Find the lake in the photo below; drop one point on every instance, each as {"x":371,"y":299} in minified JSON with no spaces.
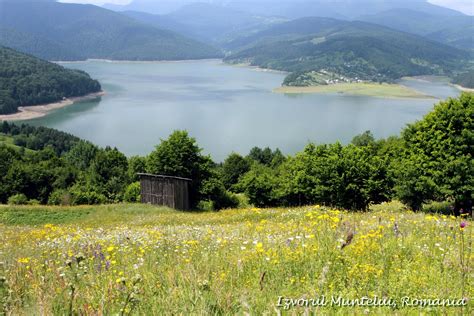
{"x":226,"y":108}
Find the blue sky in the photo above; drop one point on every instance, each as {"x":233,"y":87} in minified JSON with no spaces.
{"x":466,"y":6}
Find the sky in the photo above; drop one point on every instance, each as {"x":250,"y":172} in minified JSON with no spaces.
{"x":466,"y":6}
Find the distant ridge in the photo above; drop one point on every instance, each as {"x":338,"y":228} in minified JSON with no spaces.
{"x":356,"y":50}
{"x":59,"y":31}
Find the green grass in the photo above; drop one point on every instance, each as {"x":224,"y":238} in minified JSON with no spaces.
{"x":8,"y":141}
{"x":367,"y":89}
{"x":144,"y":260}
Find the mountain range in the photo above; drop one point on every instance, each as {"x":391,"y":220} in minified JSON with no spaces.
{"x":455,"y":30}
{"x":207,"y":22}
{"x":60,"y":31}
{"x":355,"y":50}
{"x":217,"y":22}
{"x":291,"y":9}
{"x":374,"y":40}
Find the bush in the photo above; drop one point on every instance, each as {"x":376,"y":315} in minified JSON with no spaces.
{"x":259,"y":185}
{"x":226,"y":200}
{"x":60,"y":197}
{"x":33,"y":202}
{"x":213,"y":190}
{"x":132,"y":193}
{"x":445,"y":207}
{"x":205,"y":205}
{"x":243,"y":200}
{"x":18,"y":199}
{"x":88,"y":197}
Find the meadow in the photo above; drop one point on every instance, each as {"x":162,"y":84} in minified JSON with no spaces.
{"x":384,"y":90}
{"x":137,"y":259}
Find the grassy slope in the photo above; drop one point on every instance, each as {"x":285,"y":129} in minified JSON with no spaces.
{"x":368,"y":89}
{"x":231,"y":262}
{"x":6,"y":140}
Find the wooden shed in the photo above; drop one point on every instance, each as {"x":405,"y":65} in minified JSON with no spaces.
{"x":165,"y":190}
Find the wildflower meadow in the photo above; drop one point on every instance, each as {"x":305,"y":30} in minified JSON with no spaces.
{"x":131,"y":259}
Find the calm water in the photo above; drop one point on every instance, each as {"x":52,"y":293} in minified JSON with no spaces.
{"x":225,"y":108}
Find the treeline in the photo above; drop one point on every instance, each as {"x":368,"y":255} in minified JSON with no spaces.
{"x":26,"y":80}
{"x":430,"y":161}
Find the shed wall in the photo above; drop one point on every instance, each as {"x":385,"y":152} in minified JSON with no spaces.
{"x":167,"y":191}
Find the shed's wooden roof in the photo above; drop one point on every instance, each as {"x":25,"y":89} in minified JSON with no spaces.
{"x":162,"y":176}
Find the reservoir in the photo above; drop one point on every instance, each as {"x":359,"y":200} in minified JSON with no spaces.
{"x":226,"y":108}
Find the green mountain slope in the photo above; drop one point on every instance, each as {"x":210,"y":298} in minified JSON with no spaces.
{"x":27,"y":80}
{"x":206,"y":22}
{"x":89,"y":31}
{"x":355,"y":50}
{"x":457,"y":30}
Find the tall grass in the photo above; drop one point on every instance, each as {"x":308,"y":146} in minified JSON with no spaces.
{"x":135,"y":259}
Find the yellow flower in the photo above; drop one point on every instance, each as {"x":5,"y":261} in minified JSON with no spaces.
{"x":23,"y":260}
{"x":110,"y":248}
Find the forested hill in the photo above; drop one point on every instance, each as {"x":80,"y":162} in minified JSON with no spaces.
{"x":63,"y":31}
{"x":351,"y":49}
{"x":455,"y":30}
{"x":27,"y":80}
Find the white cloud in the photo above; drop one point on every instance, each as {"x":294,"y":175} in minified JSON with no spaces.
{"x":466,"y":6}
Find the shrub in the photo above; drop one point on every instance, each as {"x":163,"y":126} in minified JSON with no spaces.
{"x":33,"y":202}
{"x":132,"y":192}
{"x":87,"y":197}
{"x":18,"y":199}
{"x":60,"y":197}
{"x":226,"y":200}
{"x":260,"y":184}
{"x":445,"y":207}
{"x":213,"y":190}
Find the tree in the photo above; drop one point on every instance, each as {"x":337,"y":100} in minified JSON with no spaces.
{"x":180,"y":156}
{"x":437,"y":162}
{"x":107,"y":173}
{"x":82,"y":154}
{"x":266,"y":156}
{"x":259,"y":184}
{"x":364,"y":139}
{"x":232,"y":169}
{"x":350,"y":177}
{"x":136,"y":164}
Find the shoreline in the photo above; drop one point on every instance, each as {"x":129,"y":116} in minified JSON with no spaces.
{"x":441,"y":79}
{"x":462,"y":88}
{"x":393,"y":91}
{"x":257,"y":68}
{"x":118,"y":61}
{"x":36,"y":111}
